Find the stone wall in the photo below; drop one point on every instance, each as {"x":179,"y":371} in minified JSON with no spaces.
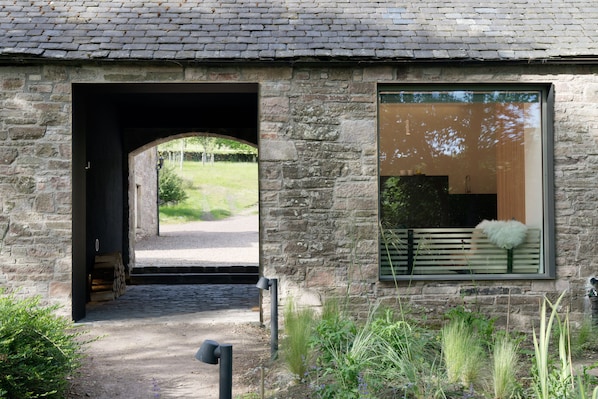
{"x":143,"y":196}
{"x":318,"y":180}
{"x":35,"y":182}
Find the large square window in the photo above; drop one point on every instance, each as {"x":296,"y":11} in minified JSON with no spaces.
{"x":465,"y":182}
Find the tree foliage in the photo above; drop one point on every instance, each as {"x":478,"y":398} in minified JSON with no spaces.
{"x":170,"y":187}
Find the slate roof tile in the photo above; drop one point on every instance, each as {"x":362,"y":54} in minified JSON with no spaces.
{"x":251,"y":30}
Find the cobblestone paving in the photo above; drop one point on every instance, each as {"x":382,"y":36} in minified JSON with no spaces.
{"x":230,"y":241}
{"x":190,"y":303}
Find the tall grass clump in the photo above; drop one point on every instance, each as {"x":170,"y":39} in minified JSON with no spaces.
{"x":505,"y":366}
{"x":299,"y":325}
{"x":409,"y":361}
{"x":584,"y":338}
{"x":341,"y":351}
{"x":463,"y":353}
{"x":38,"y":349}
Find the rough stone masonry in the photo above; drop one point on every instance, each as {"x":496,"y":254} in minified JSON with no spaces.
{"x":318,"y":180}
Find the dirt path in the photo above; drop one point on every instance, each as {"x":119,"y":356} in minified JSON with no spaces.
{"x":147,"y":339}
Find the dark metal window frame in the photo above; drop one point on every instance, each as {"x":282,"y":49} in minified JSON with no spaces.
{"x":548,"y":228}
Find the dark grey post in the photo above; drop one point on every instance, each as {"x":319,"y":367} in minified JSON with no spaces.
{"x":274,"y":318}
{"x":272,"y":285}
{"x":209,"y":352}
{"x":226,"y":371}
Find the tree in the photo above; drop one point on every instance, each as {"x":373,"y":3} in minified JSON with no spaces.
{"x":170,"y":187}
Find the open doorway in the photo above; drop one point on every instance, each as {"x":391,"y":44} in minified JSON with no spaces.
{"x":193,"y":212}
{"x":112,"y":120}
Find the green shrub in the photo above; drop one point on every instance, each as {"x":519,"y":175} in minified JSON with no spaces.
{"x":38,"y":349}
{"x":409,"y":359}
{"x":333,"y":333}
{"x":170,"y":190}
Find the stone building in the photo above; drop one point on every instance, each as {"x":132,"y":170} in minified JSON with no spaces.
{"x":386,"y":131}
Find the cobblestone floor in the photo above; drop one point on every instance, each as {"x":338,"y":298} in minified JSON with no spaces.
{"x":230,"y":241}
{"x":190,"y":303}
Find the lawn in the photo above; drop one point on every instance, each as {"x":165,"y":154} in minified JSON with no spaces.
{"x":214,"y":191}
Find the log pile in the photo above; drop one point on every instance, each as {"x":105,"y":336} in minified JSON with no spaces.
{"x":108,"y":279}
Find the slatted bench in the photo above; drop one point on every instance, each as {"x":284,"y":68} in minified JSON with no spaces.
{"x":453,"y":251}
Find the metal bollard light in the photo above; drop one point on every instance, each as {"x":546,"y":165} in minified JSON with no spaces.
{"x":272,"y":285}
{"x":209,"y":352}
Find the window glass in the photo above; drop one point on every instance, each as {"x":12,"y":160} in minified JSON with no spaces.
{"x":450,"y":160}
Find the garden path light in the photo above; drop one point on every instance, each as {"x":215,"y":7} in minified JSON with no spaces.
{"x":209,"y":352}
{"x":272,"y":285}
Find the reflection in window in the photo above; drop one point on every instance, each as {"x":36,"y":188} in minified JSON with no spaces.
{"x":450,"y":159}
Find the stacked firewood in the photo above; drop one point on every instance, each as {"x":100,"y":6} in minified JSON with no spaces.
{"x":108,"y":279}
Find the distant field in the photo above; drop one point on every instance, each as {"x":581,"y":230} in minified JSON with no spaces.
{"x":215,"y":191}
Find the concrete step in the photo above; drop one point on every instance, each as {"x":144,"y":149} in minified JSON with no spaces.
{"x":239,"y":274}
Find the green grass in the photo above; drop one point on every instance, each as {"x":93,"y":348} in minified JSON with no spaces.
{"x":506,"y":354}
{"x":215,"y":191}
{"x":463,"y":353}
{"x":299,"y":324}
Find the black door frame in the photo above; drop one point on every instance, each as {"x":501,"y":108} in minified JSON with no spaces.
{"x":110,"y":121}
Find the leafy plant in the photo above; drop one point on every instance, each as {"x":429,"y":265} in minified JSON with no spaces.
{"x":38,"y":349}
{"x":552,"y":382}
{"x":348,"y":374}
{"x":333,"y":332}
{"x":409,"y":355}
{"x":340,"y":348}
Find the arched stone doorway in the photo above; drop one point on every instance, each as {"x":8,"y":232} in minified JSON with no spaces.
{"x":112,"y":120}
{"x":209,"y":237}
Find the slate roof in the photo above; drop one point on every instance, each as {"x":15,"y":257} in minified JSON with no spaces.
{"x":264,"y":30}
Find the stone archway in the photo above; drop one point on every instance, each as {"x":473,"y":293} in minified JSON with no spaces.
{"x":110,"y":121}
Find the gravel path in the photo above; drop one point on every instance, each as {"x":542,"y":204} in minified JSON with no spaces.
{"x":233,"y":241}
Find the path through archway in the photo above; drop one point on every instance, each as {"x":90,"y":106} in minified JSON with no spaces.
{"x":112,"y":120}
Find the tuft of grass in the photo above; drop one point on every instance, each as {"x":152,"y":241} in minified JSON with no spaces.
{"x":299,"y":325}
{"x":584,"y":338}
{"x":408,"y":360}
{"x":506,"y":360}
{"x":463,"y":353}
